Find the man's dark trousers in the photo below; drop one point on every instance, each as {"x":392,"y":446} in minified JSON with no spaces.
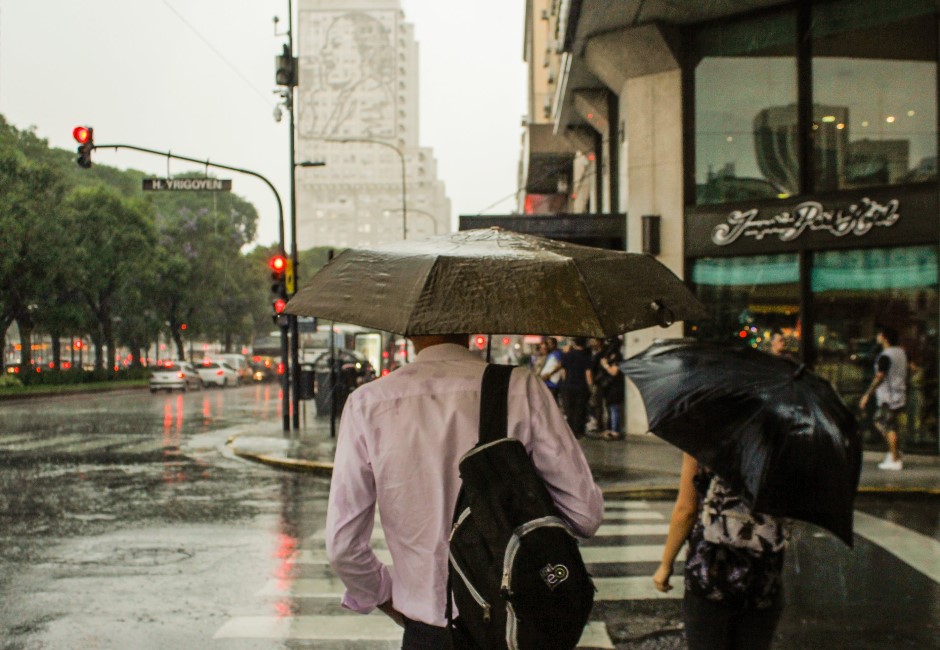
{"x":575,"y":402}
{"x":421,"y":636}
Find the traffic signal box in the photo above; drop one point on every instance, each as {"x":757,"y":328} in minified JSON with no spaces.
{"x":85,"y":137}
{"x":279,"y":266}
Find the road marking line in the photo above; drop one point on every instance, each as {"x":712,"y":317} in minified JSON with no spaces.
{"x":376,"y":627}
{"x":44,"y":443}
{"x":591,"y":554}
{"x":612,"y":530}
{"x":619,"y":504}
{"x":634,"y":515}
{"x":916,"y":550}
{"x":606,"y":530}
{"x":634,"y":588}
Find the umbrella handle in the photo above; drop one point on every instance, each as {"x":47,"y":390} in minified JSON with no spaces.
{"x":665,"y":315}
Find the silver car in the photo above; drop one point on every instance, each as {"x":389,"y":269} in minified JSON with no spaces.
{"x":175,"y":374}
{"x":217,"y":374}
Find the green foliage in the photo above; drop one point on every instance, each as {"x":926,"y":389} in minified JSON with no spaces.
{"x":9,"y":381}
{"x":87,"y":252}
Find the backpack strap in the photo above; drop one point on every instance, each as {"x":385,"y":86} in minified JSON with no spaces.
{"x":494,"y":416}
{"x":494,"y":403}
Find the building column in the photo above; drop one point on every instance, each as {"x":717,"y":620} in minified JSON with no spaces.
{"x":641,"y":66}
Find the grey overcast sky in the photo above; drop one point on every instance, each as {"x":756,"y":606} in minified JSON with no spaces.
{"x":149,"y":73}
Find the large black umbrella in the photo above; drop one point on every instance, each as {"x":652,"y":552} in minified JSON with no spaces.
{"x":495,"y":281}
{"x":780,"y":435}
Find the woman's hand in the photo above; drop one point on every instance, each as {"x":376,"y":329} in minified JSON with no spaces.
{"x":661,"y":578}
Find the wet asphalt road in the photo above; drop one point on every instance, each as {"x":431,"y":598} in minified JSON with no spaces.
{"x":124,"y":523}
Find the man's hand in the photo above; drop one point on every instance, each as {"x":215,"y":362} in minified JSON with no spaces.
{"x":389,"y":610}
{"x":862,"y":403}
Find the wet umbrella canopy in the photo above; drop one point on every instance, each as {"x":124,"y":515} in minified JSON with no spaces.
{"x":780,"y":435}
{"x":494,"y":280}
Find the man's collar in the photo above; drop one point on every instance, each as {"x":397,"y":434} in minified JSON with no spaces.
{"x":445,"y":352}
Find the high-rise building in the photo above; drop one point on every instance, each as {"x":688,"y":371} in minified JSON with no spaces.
{"x":357,"y":111}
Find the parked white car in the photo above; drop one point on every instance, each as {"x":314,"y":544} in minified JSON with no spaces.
{"x":174,"y":374}
{"x":238,"y":362}
{"x":217,"y":373}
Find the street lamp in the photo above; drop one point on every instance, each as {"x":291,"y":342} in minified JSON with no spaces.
{"x":404,"y":183}
{"x":416,"y":210}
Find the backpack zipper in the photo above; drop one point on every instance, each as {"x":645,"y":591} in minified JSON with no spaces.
{"x":485,"y":606}
{"x":514,"y":542}
{"x":453,"y":530}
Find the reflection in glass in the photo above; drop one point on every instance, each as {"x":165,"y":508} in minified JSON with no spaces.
{"x":874,"y":93}
{"x":749,"y":297}
{"x":745,"y":150}
{"x":856,"y":292}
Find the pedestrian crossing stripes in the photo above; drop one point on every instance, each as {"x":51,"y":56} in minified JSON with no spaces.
{"x":624,"y":567}
{"x":356,"y":629}
{"x":80,"y":443}
{"x":606,"y":530}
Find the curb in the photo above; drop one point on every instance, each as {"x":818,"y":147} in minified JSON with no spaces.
{"x":652,"y":492}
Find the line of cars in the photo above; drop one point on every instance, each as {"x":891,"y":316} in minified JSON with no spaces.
{"x":221,"y":370}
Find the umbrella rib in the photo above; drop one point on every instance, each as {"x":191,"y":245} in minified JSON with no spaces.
{"x":417,"y":302}
{"x":594,"y":305}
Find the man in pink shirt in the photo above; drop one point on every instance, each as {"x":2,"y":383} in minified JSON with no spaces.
{"x":400,"y":441}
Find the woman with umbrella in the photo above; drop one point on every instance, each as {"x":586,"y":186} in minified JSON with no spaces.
{"x":733,"y":592}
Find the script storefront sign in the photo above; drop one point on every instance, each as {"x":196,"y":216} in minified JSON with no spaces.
{"x":857,"y":219}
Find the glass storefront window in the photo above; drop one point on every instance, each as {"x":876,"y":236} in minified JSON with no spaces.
{"x":857,"y":291}
{"x":748,"y":298}
{"x":874,"y":93}
{"x":745,"y":131}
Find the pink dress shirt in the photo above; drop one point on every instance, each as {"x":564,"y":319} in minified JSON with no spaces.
{"x":400,"y":440}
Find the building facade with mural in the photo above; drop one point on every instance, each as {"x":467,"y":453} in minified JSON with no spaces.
{"x":786,"y":153}
{"x":357,"y":111}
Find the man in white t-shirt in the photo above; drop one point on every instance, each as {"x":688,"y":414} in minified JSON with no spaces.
{"x":890,"y":389}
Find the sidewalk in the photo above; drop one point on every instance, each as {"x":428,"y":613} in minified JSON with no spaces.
{"x":642,"y":466}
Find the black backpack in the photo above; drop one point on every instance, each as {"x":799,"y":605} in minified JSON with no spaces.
{"x":516,"y":572}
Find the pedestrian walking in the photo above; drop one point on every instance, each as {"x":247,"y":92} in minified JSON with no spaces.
{"x":612,"y":388}
{"x":733,"y":586}
{"x":596,"y":409}
{"x":400,"y":441}
{"x":575,"y":391}
{"x":553,"y":372}
{"x":890,"y":390}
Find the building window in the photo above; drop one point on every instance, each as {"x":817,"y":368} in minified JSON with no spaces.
{"x":748,"y":297}
{"x":874,"y":93}
{"x":745,"y":132}
{"x":856,"y":292}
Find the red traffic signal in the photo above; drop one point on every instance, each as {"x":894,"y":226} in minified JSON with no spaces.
{"x":81,"y":134}
{"x":77,"y":344}
{"x":480,"y":342}
{"x":278,"y":263}
{"x":279,"y":306}
{"x":85,"y":137}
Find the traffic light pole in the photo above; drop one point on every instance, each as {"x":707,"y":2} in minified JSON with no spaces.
{"x":285,"y":357}
{"x":294,"y":329}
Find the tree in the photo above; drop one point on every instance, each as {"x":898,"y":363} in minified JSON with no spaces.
{"x":112,"y":240}
{"x":203,"y":278}
{"x":31,"y":193}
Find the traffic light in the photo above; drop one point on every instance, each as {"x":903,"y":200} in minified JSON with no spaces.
{"x":480,"y":342}
{"x":285,"y":68}
{"x":85,"y":137}
{"x":279,"y":264}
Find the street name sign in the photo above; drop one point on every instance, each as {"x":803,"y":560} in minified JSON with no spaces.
{"x":187,"y":184}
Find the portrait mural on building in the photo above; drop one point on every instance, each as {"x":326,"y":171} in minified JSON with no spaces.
{"x":347,"y":75}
